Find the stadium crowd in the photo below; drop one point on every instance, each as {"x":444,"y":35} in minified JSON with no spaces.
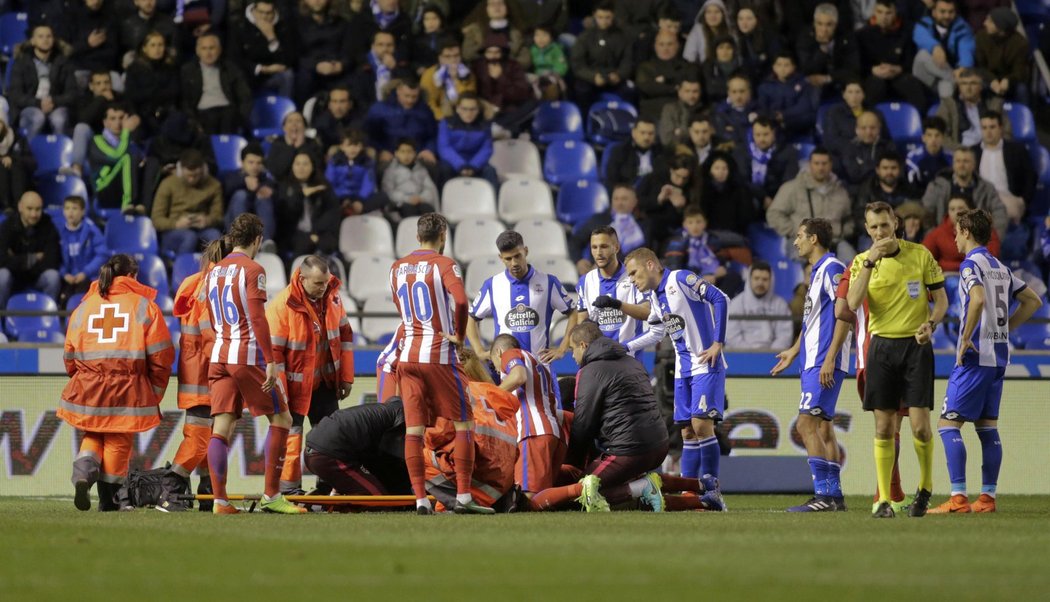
{"x":148,"y":126}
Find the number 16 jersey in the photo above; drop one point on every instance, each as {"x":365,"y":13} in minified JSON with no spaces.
{"x":232,"y":283}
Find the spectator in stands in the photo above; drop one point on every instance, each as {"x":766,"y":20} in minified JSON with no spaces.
{"x":828,"y":58}
{"x":963,"y":180}
{"x":858,"y":159}
{"x":945,"y":46}
{"x":757,"y":41}
{"x":912,"y":217}
{"x":726,"y":199}
{"x":262,"y":45}
{"x":636,"y":16}
{"x":816,"y":192}
{"x":324,"y":47}
{"x":764,"y":163}
{"x":886,"y":54}
{"x":380,"y":70}
{"x":941,"y":240}
{"x":187,"y":211}
{"x":43,"y":86}
{"x":426,"y":46}
{"x":92,"y":30}
{"x":632,"y":229}
{"x":758,"y":299}
{"x":601,"y":58}
{"x":30,"y":255}
{"x":788,"y":99}
{"x":692,"y":248}
{"x":308,"y":212}
{"x":116,"y":163}
{"x":340,"y":113}
{"x":503,"y":85}
{"x":642,"y":155}
{"x":290,"y":143}
{"x":962,"y":112}
{"x":721,"y":67}
{"x":13,"y":153}
{"x":702,"y":139}
{"x":351,"y":173}
{"x":840,"y":120}
{"x":658,"y":79}
{"x":1002,"y":57}
{"x":733,"y":118}
{"x":251,"y":190}
{"x":664,"y":193}
{"x":495,"y":17}
{"x":444,"y":82}
{"x":214,"y":92}
{"x":549,"y":65}
{"x":90,"y":111}
{"x":712,"y":23}
{"x":402,"y":115}
{"x":675,"y":116}
{"x":83,"y":249}
{"x":386,"y":16}
{"x":929,"y":159}
{"x":151,"y":83}
{"x":1006,"y":165}
{"x":465,"y":143}
{"x":886,"y":184}
{"x":178,"y":133}
{"x":143,"y":20}
{"x":668,"y":20}
{"x":407,"y":184}
{"x":553,"y":15}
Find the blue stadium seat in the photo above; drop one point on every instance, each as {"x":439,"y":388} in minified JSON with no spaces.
{"x":54,"y":188}
{"x":1028,"y":8}
{"x":558,"y":120}
{"x":165,"y":303}
{"x":766,"y":243}
{"x":1040,"y":205}
{"x":153,"y":273}
{"x":569,"y":160}
{"x":227,"y":149}
{"x":131,"y":234}
{"x":267,"y":114}
{"x":17,"y":326}
{"x":579,"y":200}
{"x":51,"y":153}
{"x":904,"y":123}
{"x":73,"y":301}
{"x":951,"y":287}
{"x":185,"y":265}
{"x":14,"y":29}
{"x":822,"y":111}
{"x":786,"y":276}
{"x":610,"y":121}
{"x":1022,"y":122}
{"x":804,"y":149}
{"x":1033,"y":334}
{"x":943,"y":339}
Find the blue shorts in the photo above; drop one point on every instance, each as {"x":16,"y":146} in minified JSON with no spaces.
{"x":816,"y":400}
{"x":700,"y":396}
{"x":974,"y":393}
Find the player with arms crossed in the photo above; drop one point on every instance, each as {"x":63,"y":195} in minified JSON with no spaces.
{"x":898,"y":278}
{"x":607,"y":295}
{"x":825,"y":359}
{"x":694,"y":313}
{"x":975,"y":388}
{"x":429,"y":295}
{"x":236,"y":292}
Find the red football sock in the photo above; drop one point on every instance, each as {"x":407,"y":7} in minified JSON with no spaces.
{"x":680,"y":503}
{"x":463,"y":457}
{"x":555,"y":497}
{"x":674,"y":484}
{"x":414,"y":463}
{"x":276,"y":441}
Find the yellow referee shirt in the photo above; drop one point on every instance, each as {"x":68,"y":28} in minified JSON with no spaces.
{"x":898,"y":291}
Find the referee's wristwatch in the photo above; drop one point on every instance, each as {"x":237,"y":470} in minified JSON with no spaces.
{"x":869,"y":264}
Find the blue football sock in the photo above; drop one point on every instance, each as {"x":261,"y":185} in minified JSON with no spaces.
{"x":710,"y":453}
{"x":955,"y":452}
{"x":818,"y":467}
{"x":834,"y":479}
{"x":992,"y":456}
{"x":690,"y":463}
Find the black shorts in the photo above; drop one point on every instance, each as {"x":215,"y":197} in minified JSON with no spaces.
{"x":899,"y":374}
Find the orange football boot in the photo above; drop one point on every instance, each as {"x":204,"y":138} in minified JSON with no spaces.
{"x":224,"y":509}
{"x":957,"y":504}
{"x":985,"y":503}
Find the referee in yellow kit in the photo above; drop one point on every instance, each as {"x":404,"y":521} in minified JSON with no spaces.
{"x":897,"y":278}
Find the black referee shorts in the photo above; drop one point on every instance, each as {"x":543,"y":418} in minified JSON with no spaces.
{"x":899,"y":373}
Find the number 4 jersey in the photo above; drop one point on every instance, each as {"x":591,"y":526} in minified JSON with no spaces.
{"x":235,"y":284}
{"x":429,"y":295}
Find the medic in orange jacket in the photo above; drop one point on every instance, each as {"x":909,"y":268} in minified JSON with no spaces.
{"x":309,"y":353}
{"x":118,"y":355}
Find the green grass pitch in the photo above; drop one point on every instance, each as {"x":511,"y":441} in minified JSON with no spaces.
{"x":754,"y":552}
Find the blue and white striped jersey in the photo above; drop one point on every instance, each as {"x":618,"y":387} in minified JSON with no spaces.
{"x":1000,"y":287}
{"x":818,"y":317}
{"x":693,"y":313}
{"x":523,"y":307}
{"x":613,"y":323}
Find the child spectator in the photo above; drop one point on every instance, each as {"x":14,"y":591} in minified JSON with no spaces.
{"x":788,"y":99}
{"x":549,"y":64}
{"x":465,"y":143}
{"x":926,"y":161}
{"x":691,"y":249}
{"x":351,"y":172}
{"x":408,"y":185}
{"x":250,"y":190}
{"x":426,"y":46}
{"x":83,"y":249}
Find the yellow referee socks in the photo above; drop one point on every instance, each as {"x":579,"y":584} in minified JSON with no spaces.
{"x":924,"y":450}
{"x":884,"y":467}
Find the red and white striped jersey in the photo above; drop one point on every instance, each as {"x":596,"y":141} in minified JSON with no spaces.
{"x":232,"y":283}
{"x":862,"y":336}
{"x":428,"y":292}
{"x":538,"y":412}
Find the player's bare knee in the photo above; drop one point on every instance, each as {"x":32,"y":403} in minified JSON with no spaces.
{"x":688,"y":434}
{"x":986,"y":423}
{"x":704,"y":428}
{"x":282,"y":420}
